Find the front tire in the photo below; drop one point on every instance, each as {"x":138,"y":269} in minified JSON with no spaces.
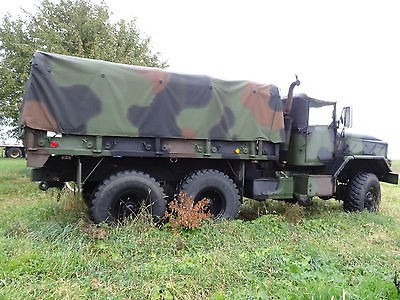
{"x":364,"y":192}
{"x":125,"y":194}
{"x":218,"y":188}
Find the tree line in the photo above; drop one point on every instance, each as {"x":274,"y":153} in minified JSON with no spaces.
{"x":71,"y":27}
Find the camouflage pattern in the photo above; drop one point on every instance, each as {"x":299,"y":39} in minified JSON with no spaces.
{"x":73,"y":95}
{"x":358,"y":144}
{"x":310,"y":145}
{"x":78,"y":108}
{"x":271,"y":188}
{"x":306,"y":185}
{"x":39,"y":148}
{"x":319,"y":144}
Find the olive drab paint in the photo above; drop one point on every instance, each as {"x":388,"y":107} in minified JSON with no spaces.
{"x":98,"y":123}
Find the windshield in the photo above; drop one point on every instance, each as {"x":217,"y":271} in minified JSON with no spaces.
{"x":320,"y":115}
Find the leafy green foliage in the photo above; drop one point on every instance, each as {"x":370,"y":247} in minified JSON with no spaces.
{"x":71,"y":27}
{"x":50,"y":249}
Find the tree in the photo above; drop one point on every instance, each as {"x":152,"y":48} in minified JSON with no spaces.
{"x":72,"y":27}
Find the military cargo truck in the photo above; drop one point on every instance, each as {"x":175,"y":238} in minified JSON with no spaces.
{"x":132,"y":136}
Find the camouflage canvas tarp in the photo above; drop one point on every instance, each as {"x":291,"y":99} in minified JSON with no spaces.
{"x":73,"y":95}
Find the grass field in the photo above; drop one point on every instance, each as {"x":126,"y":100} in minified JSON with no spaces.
{"x":50,"y":250}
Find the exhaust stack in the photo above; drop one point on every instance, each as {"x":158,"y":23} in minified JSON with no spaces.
{"x":289,"y":101}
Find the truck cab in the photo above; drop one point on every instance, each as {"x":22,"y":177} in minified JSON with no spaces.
{"x":314,"y":132}
{"x":325,"y":160}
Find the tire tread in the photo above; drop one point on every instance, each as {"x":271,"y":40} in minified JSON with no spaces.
{"x":235,"y":202}
{"x":355,"y":201}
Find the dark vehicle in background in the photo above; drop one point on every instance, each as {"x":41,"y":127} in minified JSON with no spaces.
{"x":13,"y":150}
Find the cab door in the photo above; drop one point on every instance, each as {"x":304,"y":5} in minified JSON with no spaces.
{"x":320,"y":140}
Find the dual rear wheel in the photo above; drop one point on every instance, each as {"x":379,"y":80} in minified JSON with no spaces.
{"x":125,"y":194}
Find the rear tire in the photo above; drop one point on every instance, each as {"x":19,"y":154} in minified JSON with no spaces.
{"x":364,"y":192}
{"x":125,"y":194}
{"x":218,"y":188}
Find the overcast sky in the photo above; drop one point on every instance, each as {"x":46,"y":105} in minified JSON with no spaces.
{"x":345,"y":51}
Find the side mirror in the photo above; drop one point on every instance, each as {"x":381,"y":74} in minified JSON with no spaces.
{"x":347,"y":117}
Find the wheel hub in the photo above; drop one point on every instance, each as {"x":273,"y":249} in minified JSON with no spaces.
{"x":371,"y":200}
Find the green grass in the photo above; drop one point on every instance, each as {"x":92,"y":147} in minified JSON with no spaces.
{"x":396,"y":166}
{"x":50,"y":250}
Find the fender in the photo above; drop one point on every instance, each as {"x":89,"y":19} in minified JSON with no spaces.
{"x":348,"y":166}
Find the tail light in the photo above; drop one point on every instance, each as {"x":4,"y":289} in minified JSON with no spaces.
{"x":54,"y":144}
